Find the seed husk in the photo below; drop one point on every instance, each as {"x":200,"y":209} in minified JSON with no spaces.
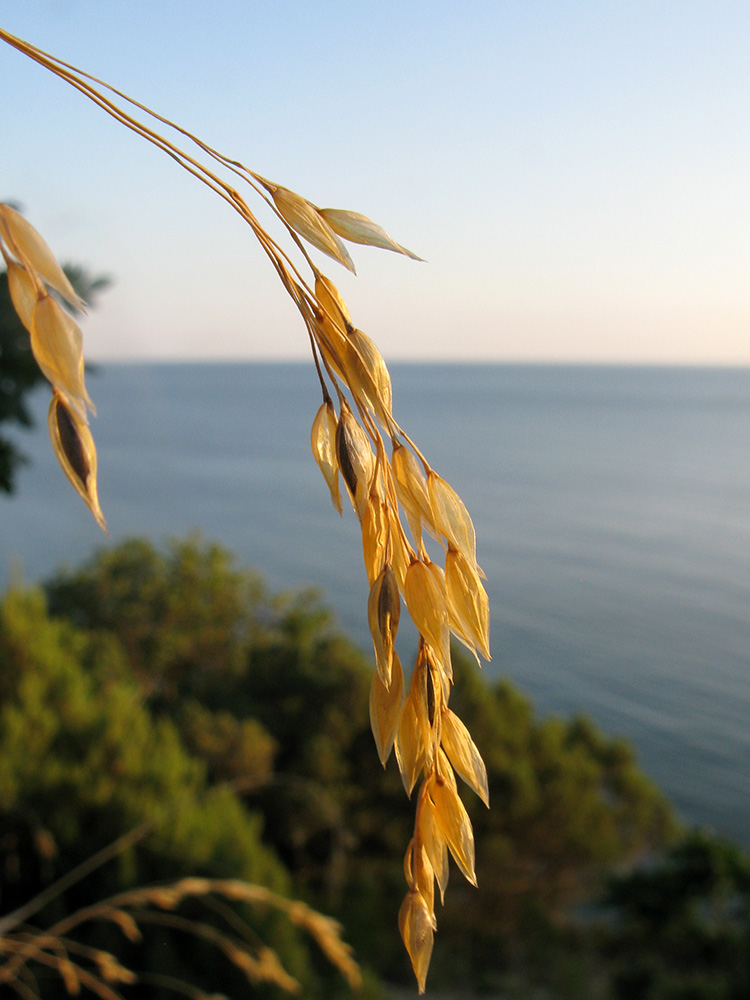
{"x":452,"y":517}
{"x":74,"y":446}
{"x":323,"y":441}
{"x":331,"y":301}
{"x":368,"y":376}
{"x":356,"y":460}
{"x":26,"y":244}
{"x":416,"y":925}
{"x":431,"y":837}
{"x":385,"y":706}
{"x":305,"y":219}
{"x":412,"y":492}
{"x":468,"y":604}
{"x":22,"y":292}
{"x":357,"y":228}
{"x":426,"y":603}
{"x":452,"y":819}
{"x":375,"y":530}
{"x":383,"y":612}
{"x":464,"y":755}
{"x":57,"y":345}
{"x":409,"y":744}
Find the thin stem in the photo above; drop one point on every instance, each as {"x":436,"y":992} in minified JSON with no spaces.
{"x":19,"y":916}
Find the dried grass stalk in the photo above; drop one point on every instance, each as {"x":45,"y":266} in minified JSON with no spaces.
{"x":99,"y":971}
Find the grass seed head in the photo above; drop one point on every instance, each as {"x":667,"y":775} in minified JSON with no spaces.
{"x":28,"y":246}
{"x":452,"y":820}
{"x":333,"y":345}
{"x":426,"y":603}
{"x":409,"y":744}
{"x":23,"y":292}
{"x":464,"y":755}
{"x":305,"y":219}
{"x":357,"y":228}
{"x":385,"y":706}
{"x":468,"y":604}
{"x":401,"y":552}
{"x":424,"y":877}
{"x":416,"y":925}
{"x":383,"y":613}
{"x":432,"y":839}
{"x":356,"y":460}
{"x":331,"y":302}
{"x":425,"y":695}
{"x":368,"y":376}
{"x":452,"y":517}
{"x":57,"y":344}
{"x":74,"y":446}
{"x":374,"y":537}
{"x":332,"y":323}
{"x":412,"y":491}
{"x":323,"y":440}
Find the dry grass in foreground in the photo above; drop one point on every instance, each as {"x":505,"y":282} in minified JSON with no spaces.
{"x":25,"y":948}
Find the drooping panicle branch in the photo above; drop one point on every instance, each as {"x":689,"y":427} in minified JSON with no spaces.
{"x":352,"y":440}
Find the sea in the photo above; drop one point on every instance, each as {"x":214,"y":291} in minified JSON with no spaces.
{"x":612,"y":508}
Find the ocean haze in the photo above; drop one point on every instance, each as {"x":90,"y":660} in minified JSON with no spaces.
{"x":612,"y":508}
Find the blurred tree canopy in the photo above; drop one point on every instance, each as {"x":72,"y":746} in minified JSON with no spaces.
{"x":255,"y":704}
{"x":167,"y":685}
{"x":682,"y":926}
{"x":19,"y":372}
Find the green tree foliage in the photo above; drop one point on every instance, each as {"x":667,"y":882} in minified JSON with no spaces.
{"x":82,"y":759}
{"x":680,"y":927}
{"x":274,"y":701}
{"x":19,"y":372}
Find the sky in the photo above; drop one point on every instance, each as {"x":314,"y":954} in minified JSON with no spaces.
{"x":575,"y":174}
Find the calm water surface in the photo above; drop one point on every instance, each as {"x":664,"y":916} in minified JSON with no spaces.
{"x":612,"y":508}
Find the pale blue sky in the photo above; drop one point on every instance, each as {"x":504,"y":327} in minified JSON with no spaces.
{"x":577,"y":174}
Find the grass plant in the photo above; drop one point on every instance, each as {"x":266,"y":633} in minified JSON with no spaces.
{"x":396,"y":494}
{"x":27,"y":949}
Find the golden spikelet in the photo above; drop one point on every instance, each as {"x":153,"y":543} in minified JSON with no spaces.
{"x":412,"y":491}
{"x":426,"y":601}
{"x":331,"y":302}
{"x":305,"y":219}
{"x":74,"y":446}
{"x":356,"y":460}
{"x":23,"y":293}
{"x":451,"y":817}
{"x":358,"y":228}
{"x":57,"y":346}
{"x":415,"y":921}
{"x":368,"y":376}
{"x":383,"y":613}
{"x":409,"y":743}
{"x":385,"y":708}
{"x":375,"y":529}
{"x":323,"y":440}
{"x":27,"y":246}
{"x":463,"y":755}
{"x":432,"y":841}
{"x":452,"y":517}
{"x":467,"y":602}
